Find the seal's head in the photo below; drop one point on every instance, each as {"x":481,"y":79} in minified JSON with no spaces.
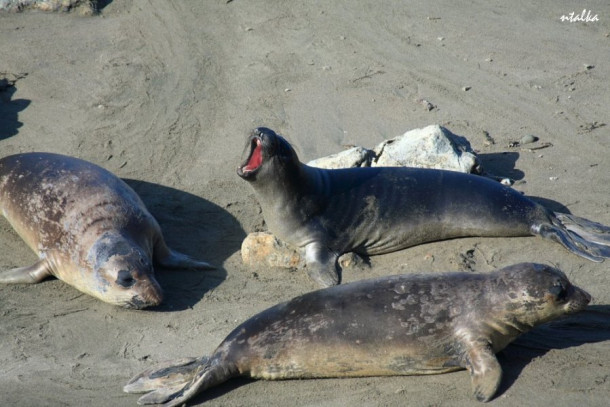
{"x":123,"y":273}
{"x":541,"y":293}
{"x":266,"y":152}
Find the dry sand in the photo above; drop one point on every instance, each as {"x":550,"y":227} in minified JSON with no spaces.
{"x":163,"y":93}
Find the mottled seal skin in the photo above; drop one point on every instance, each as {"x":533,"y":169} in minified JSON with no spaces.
{"x":88,"y":228}
{"x":379,"y":210}
{"x":399,"y":325}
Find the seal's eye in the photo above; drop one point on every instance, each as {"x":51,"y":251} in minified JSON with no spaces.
{"x":125,"y":279}
{"x":560,"y":291}
{"x":146,"y":266}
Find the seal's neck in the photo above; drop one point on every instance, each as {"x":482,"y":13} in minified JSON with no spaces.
{"x":285,"y":184}
{"x":503,"y":315}
{"x":502,"y":330}
{"x":290,"y":197}
{"x":510,"y":325}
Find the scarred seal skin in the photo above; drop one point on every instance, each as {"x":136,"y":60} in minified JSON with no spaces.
{"x":411,"y":324}
{"x":383,"y":209}
{"x":87,"y":227}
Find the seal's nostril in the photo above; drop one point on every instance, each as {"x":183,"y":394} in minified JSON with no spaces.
{"x":125,"y":279}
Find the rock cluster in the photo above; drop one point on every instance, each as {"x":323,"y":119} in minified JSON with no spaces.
{"x":431,"y":147}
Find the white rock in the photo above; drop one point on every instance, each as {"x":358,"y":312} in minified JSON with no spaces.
{"x":86,"y":6}
{"x":431,"y":147}
{"x":354,"y":157}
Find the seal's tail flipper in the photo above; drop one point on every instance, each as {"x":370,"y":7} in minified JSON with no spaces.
{"x":164,"y":380}
{"x":177,"y":381}
{"x":591,"y":231}
{"x":583,"y":237}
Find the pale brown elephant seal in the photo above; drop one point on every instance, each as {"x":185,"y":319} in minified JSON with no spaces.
{"x":399,"y":325}
{"x":88,"y":228}
{"x":383,"y":209}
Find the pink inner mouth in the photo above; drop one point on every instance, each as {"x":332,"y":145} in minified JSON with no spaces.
{"x":256,"y":158}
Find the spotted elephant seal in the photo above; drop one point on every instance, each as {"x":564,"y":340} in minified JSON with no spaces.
{"x":88,"y":228}
{"x":398,"y":325}
{"x":383,"y":209}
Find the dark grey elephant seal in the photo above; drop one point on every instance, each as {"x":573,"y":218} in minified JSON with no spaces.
{"x":88,"y":228}
{"x":379,"y":210}
{"x":398,"y":325}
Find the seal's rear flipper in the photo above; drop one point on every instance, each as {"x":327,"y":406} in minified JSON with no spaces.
{"x":26,"y":275}
{"x":587,"y":239}
{"x":161,"y":395}
{"x":589,"y":230}
{"x":170,"y":373}
{"x":164,"y":381}
{"x":175,"y":382}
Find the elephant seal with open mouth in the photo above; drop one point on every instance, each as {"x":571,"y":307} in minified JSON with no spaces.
{"x":383,"y":209}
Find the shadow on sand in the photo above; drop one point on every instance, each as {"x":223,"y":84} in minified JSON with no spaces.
{"x":100,"y":4}
{"x":194,"y":226}
{"x":10,"y":108}
{"x":503,"y":165}
{"x":589,"y":326}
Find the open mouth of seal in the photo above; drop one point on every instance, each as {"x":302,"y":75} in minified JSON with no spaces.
{"x":255,"y":159}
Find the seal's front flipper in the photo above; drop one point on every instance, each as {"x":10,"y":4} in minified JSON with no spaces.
{"x":321,"y":265}
{"x":166,"y":257}
{"x":26,"y":275}
{"x":485,"y":372}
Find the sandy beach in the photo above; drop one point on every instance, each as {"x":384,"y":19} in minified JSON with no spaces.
{"x":164,"y":93}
